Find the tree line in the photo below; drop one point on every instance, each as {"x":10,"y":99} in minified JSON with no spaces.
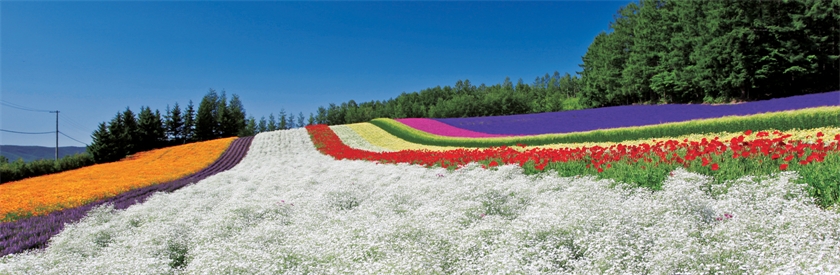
{"x":216,"y":117}
{"x":655,"y":51}
{"x":713,"y":51}
{"x":548,"y":93}
{"x":128,"y":133}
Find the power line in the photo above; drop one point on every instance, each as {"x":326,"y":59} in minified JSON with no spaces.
{"x":21,"y":107}
{"x":72,"y":138}
{"x":76,"y":124}
{"x":27,"y":133}
{"x":42,"y":133}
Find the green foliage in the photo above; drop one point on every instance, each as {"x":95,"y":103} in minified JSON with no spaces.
{"x":18,"y":170}
{"x":282,"y":122}
{"x":206,"y":123}
{"x":174,"y":123}
{"x":189,"y":123}
{"x":691,"y":51}
{"x":250,"y":128}
{"x":546,"y":94}
{"x":233,"y":121}
{"x":151,"y":132}
{"x":799,"y":119}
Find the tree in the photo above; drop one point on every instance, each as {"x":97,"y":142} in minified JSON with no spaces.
{"x":301,"y":120}
{"x":128,"y":135}
{"x":311,"y":120}
{"x":250,"y":127}
{"x":262,"y":126}
{"x":189,"y":123}
{"x":174,"y":123}
{"x":102,"y":149}
{"x":281,"y":118}
{"x":234,"y":118}
{"x":220,"y":114}
{"x":150,"y":130}
{"x":272,"y":123}
{"x":321,"y":117}
{"x":206,"y":125}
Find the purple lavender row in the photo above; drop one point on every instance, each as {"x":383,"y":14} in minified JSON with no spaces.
{"x":35,"y":232}
{"x":633,"y":115}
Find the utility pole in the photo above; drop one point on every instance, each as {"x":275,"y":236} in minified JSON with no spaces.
{"x":56,"y":134}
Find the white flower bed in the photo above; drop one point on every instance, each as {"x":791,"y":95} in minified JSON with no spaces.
{"x":288,"y":209}
{"x":354,"y":140}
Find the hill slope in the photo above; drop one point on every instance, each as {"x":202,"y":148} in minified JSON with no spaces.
{"x":286,"y":208}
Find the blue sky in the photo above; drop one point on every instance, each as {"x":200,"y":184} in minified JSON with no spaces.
{"x":90,"y":60}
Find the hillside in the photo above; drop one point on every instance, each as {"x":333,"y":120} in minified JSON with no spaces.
{"x":30,"y":153}
{"x":356,"y":199}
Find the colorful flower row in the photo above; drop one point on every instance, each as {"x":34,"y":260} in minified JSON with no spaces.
{"x":366,"y":136}
{"x":353,"y":139}
{"x":630,"y":115}
{"x":439,"y":128}
{"x":41,"y":195}
{"x":380,"y":138}
{"x":663,"y":151}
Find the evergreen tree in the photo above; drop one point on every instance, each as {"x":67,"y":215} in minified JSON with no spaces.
{"x":236,"y":113}
{"x":301,"y":120}
{"x":206,"y":123}
{"x":250,"y":127}
{"x":311,"y":120}
{"x":128,"y":135}
{"x":150,"y":130}
{"x":234,"y":121}
{"x":291,"y":122}
{"x":189,"y":123}
{"x":321,"y":117}
{"x":220,"y":113}
{"x":102,"y":149}
{"x":283,"y":124}
{"x":175,"y":124}
{"x":272,"y":123}
{"x":262,"y":126}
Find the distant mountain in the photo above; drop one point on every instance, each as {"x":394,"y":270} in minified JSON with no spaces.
{"x":30,"y":153}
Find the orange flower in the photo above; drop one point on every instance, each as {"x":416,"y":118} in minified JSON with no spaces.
{"x":44,"y":194}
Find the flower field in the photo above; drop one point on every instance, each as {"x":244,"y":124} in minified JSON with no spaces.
{"x":289,"y":209}
{"x":368,"y":198}
{"x":41,"y":195}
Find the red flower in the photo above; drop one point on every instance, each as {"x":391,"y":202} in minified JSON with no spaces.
{"x":748,"y":132}
{"x":819,"y":134}
{"x":494,"y":164}
{"x":783,"y":167}
{"x":789,"y":158}
{"x":715,"y":167}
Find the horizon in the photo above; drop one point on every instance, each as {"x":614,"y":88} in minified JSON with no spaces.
{"x":90,"y":60}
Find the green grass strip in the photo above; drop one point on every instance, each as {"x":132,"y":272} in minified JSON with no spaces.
{"x":786,"y":120}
